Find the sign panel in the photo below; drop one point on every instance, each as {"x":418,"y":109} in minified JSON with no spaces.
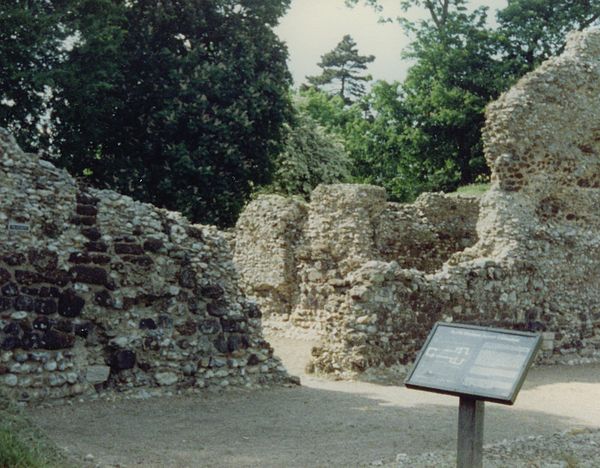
{"x":18,"y":227}
{"x":480,"y":362}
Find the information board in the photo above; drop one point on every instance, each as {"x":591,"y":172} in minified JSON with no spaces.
{"x":480,"y":362}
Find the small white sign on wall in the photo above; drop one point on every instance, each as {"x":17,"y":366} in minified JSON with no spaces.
{"x":17,"y":228}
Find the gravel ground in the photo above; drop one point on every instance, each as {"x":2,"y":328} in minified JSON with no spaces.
{"x":333,"y":423}
{"x":568,"y":449}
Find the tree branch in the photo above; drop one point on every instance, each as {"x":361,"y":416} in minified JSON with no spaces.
{"x":434,"y":15}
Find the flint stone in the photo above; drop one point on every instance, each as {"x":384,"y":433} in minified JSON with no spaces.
{"x":58,"y":277}
{"x":96,"y":246}
{"x":11,"y":380}
{"x":128,"y":249}
{"x":31,"y":341}
{"x":123,"y":359}
{"x":41,"y":323}
{"x":70,"y":304}
{"x":27,"y":278}
{"x":19,"y":315}
{"x":54,"y":339}
{"x":221,"y":345}
{"x":12,"y":329}
{"x":50,"y":366}
{"x":213,"y":291}
{"x":10,"y":289}
{"x":104,"y":299}
{"x":24,"y":303}
{"x":92,"y":233}
{"x":216,"y":310}
{"x":187,"y":278}
{"x":10,"y":342}
{"x":100,"y":259}
{"x":97,"y":374}
{"x":187,"y":328}
{"x":79,"y":258}
{"x":153,"y":245}
{"x":83,"y":329}
{"x":45,"y":306}
{"x":5,"y":303}
{"x":89,"y":275}
{"x":15,"y":259}
{"x":4,"y":276}
{"x":166,"y":378}
{"x":86,"y":210}
{"x":147,"y":324}
{"x":84,"y":198}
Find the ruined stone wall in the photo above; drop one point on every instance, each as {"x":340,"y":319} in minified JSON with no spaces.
{"x":100,"y":292}
{"x":424,"y":234}
{"x":295,"y":258}
{"x":536,"y":265}
{"x":369,"y":281}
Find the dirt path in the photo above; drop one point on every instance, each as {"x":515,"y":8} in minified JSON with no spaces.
{"x":322,"y":423}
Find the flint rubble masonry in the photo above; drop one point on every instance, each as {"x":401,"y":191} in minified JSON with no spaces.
{"x":99,"y":292}
{"x":372,"y":278}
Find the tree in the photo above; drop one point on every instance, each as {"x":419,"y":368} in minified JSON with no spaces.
{"x":344,"y":65}
{"x":533,"y":30}
{"x":180,"y":103}
{"x":311,"y":156}
{"x":30,"y":40}
{"x":460,"y":64}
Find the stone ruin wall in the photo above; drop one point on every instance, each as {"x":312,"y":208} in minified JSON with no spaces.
{"x":102,"y":293}
{"x":536,"y":264}
{"x":294,"y":258}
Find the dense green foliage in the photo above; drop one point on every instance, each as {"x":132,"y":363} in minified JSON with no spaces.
{"x":343,"y":66}
{"x":425,"y":133}
{"x":311,"y":156}
{"x":533,"y":30}
{"x":180,"y":103}
{"x":185,"y":103}
{"x":30,"y":39}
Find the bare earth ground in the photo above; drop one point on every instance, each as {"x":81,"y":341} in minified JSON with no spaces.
{"x":321,"y":423}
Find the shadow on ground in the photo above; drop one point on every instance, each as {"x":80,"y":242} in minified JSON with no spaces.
{"x":322,"y":423}
{"x":278,"y":427}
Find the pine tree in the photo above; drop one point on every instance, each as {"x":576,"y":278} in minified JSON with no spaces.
{"x":344,"y":65}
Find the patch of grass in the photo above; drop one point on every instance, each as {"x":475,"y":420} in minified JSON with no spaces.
{"x":14,"y":453}
{"x":22,"y":444}
{"x":472,"y":190}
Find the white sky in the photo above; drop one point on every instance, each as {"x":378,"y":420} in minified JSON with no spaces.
{"x":314,"y":27}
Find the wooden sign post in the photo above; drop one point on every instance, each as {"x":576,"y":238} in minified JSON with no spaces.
{"x":477,"y":364}
{"x":470,"y":433}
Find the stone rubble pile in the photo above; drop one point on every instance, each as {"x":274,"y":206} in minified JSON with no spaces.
{"x":374,"y":278}
{"x":99,"y":292}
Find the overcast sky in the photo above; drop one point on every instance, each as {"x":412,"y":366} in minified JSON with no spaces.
{"x":314,"y":27}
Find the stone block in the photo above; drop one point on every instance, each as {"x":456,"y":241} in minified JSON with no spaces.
{"x":89,"y":275}
{"x":128,"y":249}
{"x":4,"y":276}
{"x":70,"y":304}
{"x":97,"y":374}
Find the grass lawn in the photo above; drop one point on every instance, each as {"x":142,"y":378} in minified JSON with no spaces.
{"x":472,"y":190}
{"x":22,"y":444}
